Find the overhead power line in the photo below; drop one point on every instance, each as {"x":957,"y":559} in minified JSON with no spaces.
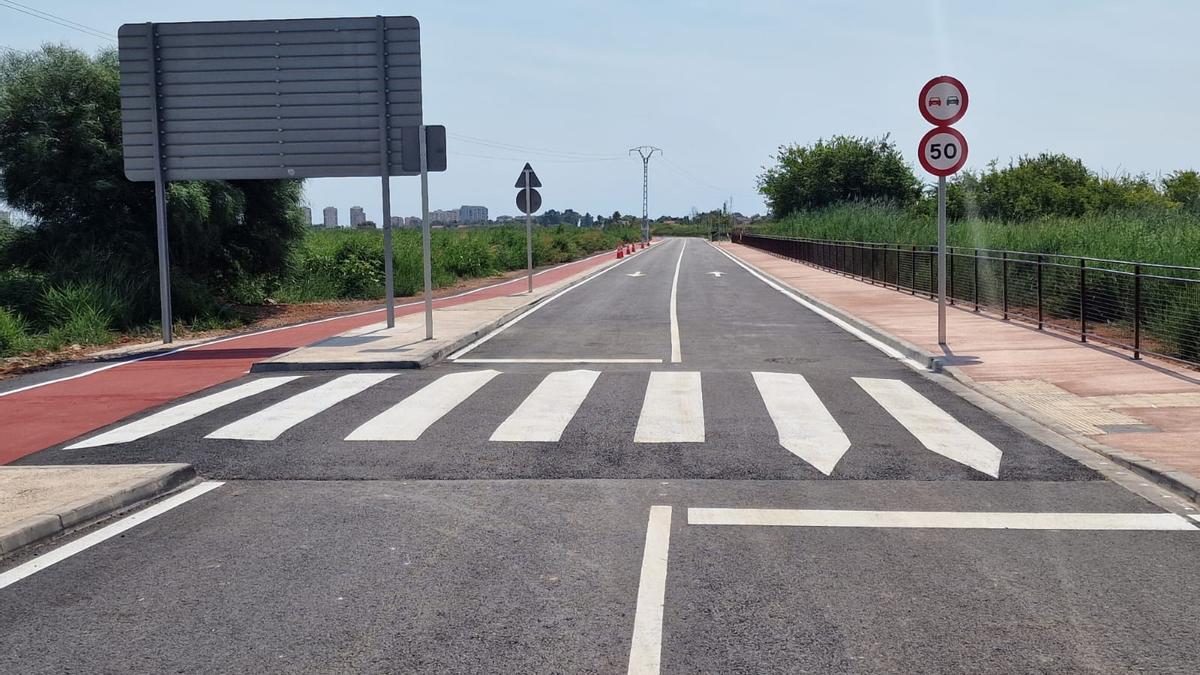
{"x":56,"y":19}
{"x":552,"y":160}
{"x":499,"y":145}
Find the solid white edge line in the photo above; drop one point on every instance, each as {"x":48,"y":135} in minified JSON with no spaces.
{"x":886,"y":349}
{"x":314,"y":322}
{"x":559,"y":360}
{"x":465,"y":350}
{"x":676,"y":351}
{"x":87,"y":541}
{"x":645,"y":649}
{"x":941,"y":519}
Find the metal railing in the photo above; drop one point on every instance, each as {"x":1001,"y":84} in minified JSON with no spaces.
{"x":1143,"y":307}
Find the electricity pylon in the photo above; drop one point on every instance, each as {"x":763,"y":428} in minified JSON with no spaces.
{"x":645,"y":152}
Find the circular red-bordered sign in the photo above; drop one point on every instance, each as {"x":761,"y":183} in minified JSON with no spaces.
{"x":943,"y":101}
{"x":943,"y":151}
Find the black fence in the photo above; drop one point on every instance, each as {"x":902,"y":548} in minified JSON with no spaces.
{"x":1146,"y":308}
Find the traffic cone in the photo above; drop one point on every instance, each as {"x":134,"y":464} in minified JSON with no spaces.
{"x":620,"y":252}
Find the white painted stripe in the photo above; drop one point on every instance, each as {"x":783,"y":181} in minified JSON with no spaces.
{"x":645,"y":650}
{"x":108,"y":532}
{"x":458,"y":354}
{"x":676,"y":351}
{"x":599,"y":360}
{"x":314,"y":322}
{"x":1195,"y":518}
{"x":932,"y":426}
{"x":269,"y":423}
{"x":983,"y":520}
{"x":886,"y":349}
{"x":178,"y":414}
{"x":805,"y":426}
{"x":547,"y":411}
{"x":408,"y":419}
{"x":673,"y":410}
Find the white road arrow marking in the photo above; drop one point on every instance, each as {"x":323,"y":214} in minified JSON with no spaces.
{"x":805,"y":426}
{"x":716,"y":274}
{"x":636,"y":274}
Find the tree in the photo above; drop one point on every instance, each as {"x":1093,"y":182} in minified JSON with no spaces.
{"x":61,"y":162}
{"x":587,"y":220}
{"x":842,"y":169}
{"x":1183,"y":187}
{"x":616,"y":216}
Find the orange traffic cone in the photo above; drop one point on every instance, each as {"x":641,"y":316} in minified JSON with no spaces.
{"x":620,"y":252}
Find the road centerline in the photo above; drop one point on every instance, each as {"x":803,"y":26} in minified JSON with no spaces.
{"x":645,"y":650}
{"x":676,"y":352}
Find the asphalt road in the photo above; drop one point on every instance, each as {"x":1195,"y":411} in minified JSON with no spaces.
{"x":540,"y":505}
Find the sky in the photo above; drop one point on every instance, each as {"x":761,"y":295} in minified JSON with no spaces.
{"x":571,"y":86}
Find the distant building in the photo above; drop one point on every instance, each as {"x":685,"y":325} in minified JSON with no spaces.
{"x":397,"y":221}
{"x":5,"y":216}
{"x":447,"y":217}
{"x":504,"y":219}
{"x":357,"y":216}
{"x":472,"y":214}
{"x":307,"y":213}
{"x":330,"y":216}
{"x":412,"y":221}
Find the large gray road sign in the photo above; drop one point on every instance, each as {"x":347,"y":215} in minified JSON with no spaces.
{"x":292,"y":98}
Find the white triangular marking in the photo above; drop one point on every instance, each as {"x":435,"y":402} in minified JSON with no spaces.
{"x":932,"y":426}
{"x":269,"y":423}
{"x":805,"y":426}
{"x":408,"y":419}
{"x":673,"y":410}
{"x":547,"y":411}
{"x":178,"y":414}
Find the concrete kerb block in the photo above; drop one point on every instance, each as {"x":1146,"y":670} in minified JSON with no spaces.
{"x":72,"y":514}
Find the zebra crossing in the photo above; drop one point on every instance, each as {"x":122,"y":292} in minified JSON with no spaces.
{"x":672,"y":411}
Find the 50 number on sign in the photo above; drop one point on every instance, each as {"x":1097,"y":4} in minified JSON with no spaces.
{"x":943,"y":151}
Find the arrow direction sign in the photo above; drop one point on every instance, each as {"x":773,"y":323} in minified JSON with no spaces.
{"x":716,"y":274}
{"x":533,"y":179}
{"x":636,"y":274}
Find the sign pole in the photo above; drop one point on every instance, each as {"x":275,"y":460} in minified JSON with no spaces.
{"x":385,"y":170}
{"x":160,"y":194}
{"x":528,"y":230}
{"x":941,"y":225}
{"x":426,"y":256}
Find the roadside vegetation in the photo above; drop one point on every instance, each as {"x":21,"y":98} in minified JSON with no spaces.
{"x":81,"y":267}
{"x":856,"y":189}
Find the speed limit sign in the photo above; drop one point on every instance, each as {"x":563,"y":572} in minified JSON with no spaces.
{"x":943,"y":151}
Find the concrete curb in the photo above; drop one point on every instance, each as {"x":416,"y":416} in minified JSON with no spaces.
{"x":38,"y":527}
{"x":1186,"y":485}
{"x":429,"y":359}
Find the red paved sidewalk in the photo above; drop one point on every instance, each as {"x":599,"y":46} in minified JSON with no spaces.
{"x":1149,"y":407}
{"x":46,"y":415}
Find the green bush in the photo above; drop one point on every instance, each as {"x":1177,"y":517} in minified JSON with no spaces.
{"x":14,"y":334}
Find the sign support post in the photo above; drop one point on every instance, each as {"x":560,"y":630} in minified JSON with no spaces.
{"x":528,"y":228}
{"x":941,"y":268}
{"x":385,"y":172}
{"x":426,"y":256}
{"x":160,"y":195}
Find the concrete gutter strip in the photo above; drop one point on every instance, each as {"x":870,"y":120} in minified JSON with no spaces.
{"x":156,"y":480}
{"x":1182,"y":483}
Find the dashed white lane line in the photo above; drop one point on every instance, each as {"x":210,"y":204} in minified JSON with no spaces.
{"x":932,"y":426}
{"x":408,"y":419}
{"x":178,"y":414}
{"x":673,"y":410}
{"x":547,"y":411}
{"x":645,"y":650}
{"x":804,"y":424}
{"x":89,"y":540}
{"x":940,"y":519}
{"x":269,"y":423}
{"x":582,"y":360}
{"x":676,"y":351}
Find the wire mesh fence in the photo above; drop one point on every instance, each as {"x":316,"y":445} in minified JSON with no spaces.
{"x":1145,"y":308}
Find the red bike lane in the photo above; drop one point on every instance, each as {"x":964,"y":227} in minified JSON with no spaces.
{"x":44,"y":415}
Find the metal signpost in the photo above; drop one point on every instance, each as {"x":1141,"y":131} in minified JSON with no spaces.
{"x":942,"y":152}
{"x":276,"y":99}
{"x":529,"y":200}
